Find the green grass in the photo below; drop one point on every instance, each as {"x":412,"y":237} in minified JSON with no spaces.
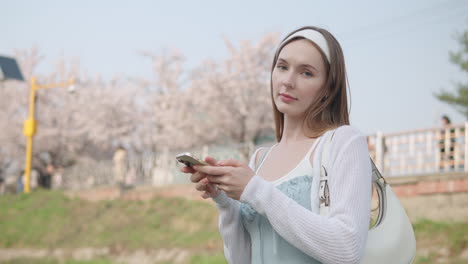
{"x":208,"y":259}
{"x":198,"y":259}
{"x":455,"y":235}
{"x":49,"y":219}
{"x":431,"y":235}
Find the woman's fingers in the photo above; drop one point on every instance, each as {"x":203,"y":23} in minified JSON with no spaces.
{"x":198,"y":176}
{"x":215,"y":179}
{"x":231,"y":162}
{"x":187,"y":170}
{"x":205,"y":195}
{"x":208,"y":189}
{"x":212,"y":161}
{"x":201,"y":186}
{"x":211,"y":187}
{"x":211,"y":170}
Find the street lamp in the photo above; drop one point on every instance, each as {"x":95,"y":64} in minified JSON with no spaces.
{"x":30,"y":124}
{"x":10,"y":70}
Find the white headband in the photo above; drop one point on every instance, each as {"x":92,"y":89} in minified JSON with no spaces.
{"x":313,"y":36}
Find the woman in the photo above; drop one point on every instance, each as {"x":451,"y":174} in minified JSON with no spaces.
{"x":269,"y":209}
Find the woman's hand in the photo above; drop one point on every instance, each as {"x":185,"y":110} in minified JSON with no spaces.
{"x":208,"y":190}
{"x":230,"y":176}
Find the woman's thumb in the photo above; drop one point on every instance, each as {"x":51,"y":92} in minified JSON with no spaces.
{"x":211,"y":161}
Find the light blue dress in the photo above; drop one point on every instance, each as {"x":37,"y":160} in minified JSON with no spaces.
{"x":267,"y":246}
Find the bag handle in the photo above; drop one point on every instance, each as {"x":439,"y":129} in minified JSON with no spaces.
{"x":324,"y":193}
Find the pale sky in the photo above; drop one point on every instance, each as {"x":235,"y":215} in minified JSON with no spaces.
{"x":396,"y":51}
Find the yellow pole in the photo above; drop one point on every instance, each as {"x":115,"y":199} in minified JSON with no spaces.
{"x":29,"y":131}
{"x":30,"y":125}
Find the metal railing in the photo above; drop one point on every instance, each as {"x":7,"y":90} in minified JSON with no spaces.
{"x":406,"y":153}
{"x":422,"y":151}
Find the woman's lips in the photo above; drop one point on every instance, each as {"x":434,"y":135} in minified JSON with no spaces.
{"x":287,"y":98}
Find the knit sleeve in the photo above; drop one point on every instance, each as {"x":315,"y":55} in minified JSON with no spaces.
{"x":235,"y":237}
{"x":237,"y":245}
{"x":339,"y":237}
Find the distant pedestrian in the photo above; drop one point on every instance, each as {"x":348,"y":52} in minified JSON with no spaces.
{"x":19,"y":182}
{"x":57,"y":178}
{"x":120,"y":166}
{"x":446,"y":144}
{"x":45,"y":177}
{"x":2,"y":183}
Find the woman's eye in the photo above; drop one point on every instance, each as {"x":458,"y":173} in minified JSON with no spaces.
{"x":307,"y":74}
{"x":281,"y":67}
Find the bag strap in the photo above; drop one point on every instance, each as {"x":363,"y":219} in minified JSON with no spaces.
{"x":324,"y":192}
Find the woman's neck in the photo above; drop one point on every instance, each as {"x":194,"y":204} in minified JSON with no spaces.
{"x":293,"y":130}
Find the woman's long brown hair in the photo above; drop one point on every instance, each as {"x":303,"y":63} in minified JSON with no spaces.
{"x":330,"y":109}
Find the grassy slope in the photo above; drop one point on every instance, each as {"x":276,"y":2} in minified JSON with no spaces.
{"x":51,"y":220}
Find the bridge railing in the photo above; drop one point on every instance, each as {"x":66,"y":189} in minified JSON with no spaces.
{"x":422,"y":151}
{"x":407,"y":153}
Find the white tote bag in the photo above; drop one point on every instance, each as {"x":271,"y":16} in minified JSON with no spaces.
{"x":391,"y":240}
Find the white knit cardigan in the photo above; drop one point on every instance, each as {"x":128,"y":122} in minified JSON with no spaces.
{"x":339,"y":237}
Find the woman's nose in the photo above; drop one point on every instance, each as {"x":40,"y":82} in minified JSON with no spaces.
{"x":288,"y":80}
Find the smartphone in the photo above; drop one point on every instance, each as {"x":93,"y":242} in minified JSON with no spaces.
{"x":189,"y":160}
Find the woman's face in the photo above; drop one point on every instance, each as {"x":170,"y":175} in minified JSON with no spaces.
{"x":298,"y":75}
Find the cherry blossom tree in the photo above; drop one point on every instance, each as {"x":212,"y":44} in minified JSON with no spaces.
{"x":217,"y":102}
{"x":234,"y":94}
